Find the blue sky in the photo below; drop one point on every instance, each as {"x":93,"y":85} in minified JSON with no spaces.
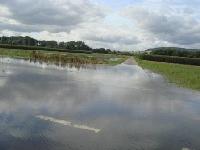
{"x":117,"y":24}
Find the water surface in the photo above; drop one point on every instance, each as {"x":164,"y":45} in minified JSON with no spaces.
{"x":106,"y":108}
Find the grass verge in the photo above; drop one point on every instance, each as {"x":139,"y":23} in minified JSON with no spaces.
{"x":183,"y":75}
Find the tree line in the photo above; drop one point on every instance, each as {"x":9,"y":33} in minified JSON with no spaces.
{"x":29,"y":42}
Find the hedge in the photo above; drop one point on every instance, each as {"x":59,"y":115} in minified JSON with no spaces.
{"x":171,"y":59}
{"x":41,"y":48}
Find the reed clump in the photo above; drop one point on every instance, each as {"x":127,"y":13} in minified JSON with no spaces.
{"x":61,"y":59}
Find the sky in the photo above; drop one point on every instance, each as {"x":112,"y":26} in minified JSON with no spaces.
{"x":124,"y":25}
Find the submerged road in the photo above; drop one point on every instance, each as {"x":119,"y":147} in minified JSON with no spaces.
{"x":119,"y":107}
{"x":131,"y":61}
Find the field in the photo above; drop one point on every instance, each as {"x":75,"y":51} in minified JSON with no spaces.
{"x":64,"y":57}
{"x":183,"y":75}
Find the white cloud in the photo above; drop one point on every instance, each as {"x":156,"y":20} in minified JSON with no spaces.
{"x":51,"y":15}
{"x":141,"y":25}
{"x":4,"y":12}
{"x":172,"y":25}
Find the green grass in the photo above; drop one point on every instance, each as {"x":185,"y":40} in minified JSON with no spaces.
{"x":52,"y":56}
{"x":15,"y":53}
{"x":183,"y":75}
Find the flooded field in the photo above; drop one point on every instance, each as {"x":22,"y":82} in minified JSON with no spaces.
{"x":45,"y":107}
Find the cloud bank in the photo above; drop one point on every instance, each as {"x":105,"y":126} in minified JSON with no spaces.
{"x":131,"y":26}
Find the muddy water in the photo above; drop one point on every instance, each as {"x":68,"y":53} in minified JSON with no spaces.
{"x":107,"y":108}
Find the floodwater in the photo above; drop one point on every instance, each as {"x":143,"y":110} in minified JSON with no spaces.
{"x":103,"y":108}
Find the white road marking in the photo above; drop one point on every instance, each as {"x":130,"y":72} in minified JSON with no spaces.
{"x":68,"y":123}
{"x":185,"y":148}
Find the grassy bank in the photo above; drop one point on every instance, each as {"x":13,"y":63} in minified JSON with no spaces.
{"x":183,"y":75}
{"x":64,"y":57}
